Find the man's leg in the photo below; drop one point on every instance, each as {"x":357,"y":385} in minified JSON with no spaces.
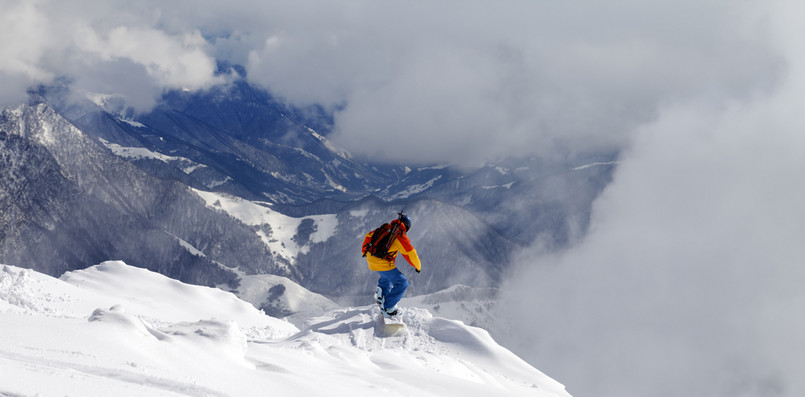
{"x":397,"y":288}
{"x":384,"y":283}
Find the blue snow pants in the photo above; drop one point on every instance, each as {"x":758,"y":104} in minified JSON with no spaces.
{"x":393,"y":283}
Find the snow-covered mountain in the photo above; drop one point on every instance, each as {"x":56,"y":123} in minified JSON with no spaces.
{"x":237,"y":139}
{"x":210,"y":186}
{"x":234,"y":139}
{"x":68,"y":202}
{"x":113,"y":329}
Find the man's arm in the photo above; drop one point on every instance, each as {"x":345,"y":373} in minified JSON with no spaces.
{"x":408,"y":252}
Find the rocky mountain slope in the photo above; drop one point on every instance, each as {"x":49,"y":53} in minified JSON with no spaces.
{"x":211,"y":185}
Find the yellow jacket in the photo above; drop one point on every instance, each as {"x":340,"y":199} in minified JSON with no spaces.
{"x":400,"y":245}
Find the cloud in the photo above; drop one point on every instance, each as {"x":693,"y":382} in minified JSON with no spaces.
{"x":415,"y":81}
{"x":173,"y":62}
{"x":18,"y":65}
{"x":95,"y":46}
{"x":435,"y":82}
{"x":689,"y":282}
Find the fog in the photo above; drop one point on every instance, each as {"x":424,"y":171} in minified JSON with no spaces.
{"x":689,"y":281}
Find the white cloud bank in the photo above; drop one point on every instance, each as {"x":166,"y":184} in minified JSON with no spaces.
{"x":423,"y":81}
{"x":109,"y":48}
{"x":480,"y":80}
{"x":690,"y":281}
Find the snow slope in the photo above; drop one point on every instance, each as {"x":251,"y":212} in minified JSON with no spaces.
{"x":281,"y":297}
{"x":113,"y":329}
{"x":282,"y":228}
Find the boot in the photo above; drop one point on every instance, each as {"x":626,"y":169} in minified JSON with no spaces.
{"x":379,"y":297}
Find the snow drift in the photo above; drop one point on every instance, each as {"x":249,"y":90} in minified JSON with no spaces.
{"x":113,"y":329}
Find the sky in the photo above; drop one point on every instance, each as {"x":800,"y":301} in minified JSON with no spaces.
{"x":444,"y":83}
{"x":689,"y":279}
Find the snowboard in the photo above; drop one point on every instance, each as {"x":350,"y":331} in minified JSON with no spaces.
{"x":393,"y":326}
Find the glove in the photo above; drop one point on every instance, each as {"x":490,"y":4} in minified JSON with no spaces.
{"x":417,"y":270}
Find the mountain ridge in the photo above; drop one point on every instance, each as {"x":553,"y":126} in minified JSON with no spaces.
{"x":138,"y":182}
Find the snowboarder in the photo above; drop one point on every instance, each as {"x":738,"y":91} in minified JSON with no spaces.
{"x":392,"y":282}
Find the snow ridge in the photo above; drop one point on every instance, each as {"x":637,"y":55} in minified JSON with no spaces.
{"x":113,"y":329}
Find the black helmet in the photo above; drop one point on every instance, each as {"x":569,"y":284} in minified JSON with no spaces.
{"x":405,"y":221}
